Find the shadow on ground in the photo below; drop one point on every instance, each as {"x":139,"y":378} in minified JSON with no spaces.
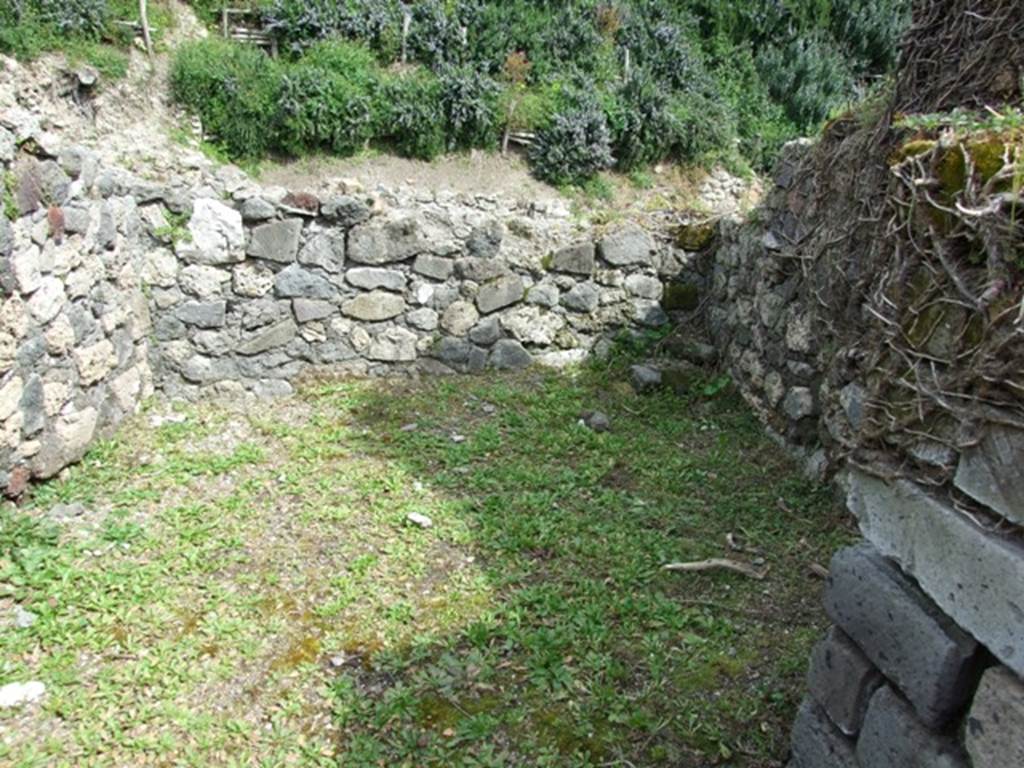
{"x":261,"y":597}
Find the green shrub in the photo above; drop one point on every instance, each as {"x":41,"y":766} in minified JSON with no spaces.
{"x":319,"y":109}
{"x":574,"y":146}
{"x":411,"y":114}
{"x":640,"y":122}
{"x":870,"y":31}
{"x":699,"y":126}
{"x":87,"y":18}
{"x":808,"y":76}
{"x":761,"y":124}
{"x":470,"y":103}
{"x":234,"y":89}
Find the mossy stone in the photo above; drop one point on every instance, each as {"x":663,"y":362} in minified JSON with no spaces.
{"x":680,"y":297}
{"x":696,"y":237}
{"x":912,"y":148}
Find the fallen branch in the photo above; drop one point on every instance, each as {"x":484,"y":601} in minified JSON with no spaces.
{"x":718,"y":563}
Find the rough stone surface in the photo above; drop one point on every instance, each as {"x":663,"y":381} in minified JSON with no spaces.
{"x":893,"y":738}
{"x":995,"y":724}
{"x":217,"y":233}
{"x":296,"y":282}
{"x":435,"y":267}
{"x":393,"y":241}
{"x":374,"y":306}
{"x":630,"y":245}
{"x":901,"y":631}
{"x":990,"y":472}
{"x":584,"y":297}
{"x":276,"y":335}
{"x":508,"y":354}
{"x":644,"y":378}
{"x":973,"y":575}
{"x":499,"y":293}
{"x":204,"y":314}
{"x":374,"y":277}
{"x":842,"y":680}
{"x":276,"y":241}
{"x":576,"y":259}
{"x":324,"y":250}
{"x":459,"y":317}
{"x":817,"y":743}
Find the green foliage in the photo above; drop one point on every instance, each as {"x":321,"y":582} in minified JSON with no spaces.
{"x":641,"y":124}
{"x":808,"y":75}
{"x":412,"y":115}
{"x":698,"y":126}
{"x":575,"y":145}
{"x":326,"y":100}
{"x":235,"y":90}
{"x":470,"y":103}
{"x":685,"y":80}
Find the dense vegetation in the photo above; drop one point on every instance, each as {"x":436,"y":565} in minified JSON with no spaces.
{"x":86,"y":30}
{"x":599,"y":83}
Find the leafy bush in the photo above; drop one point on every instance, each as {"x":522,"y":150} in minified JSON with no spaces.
{"x":470,"y":103}
{"x":574,"y":146}
{"x":640,"y":122}
{"x":78,"y":17}
{"x":870,"y":30}
{"x":683,"y":79}
{"x":808,"y":76}
{"x":699,"y":126}
{"x":234,"y":89}
{"x":412,"y":116}
{"x":322,"y":110}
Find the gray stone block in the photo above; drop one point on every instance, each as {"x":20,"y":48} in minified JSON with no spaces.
{"x":324,"y":250}
{"x":499,"y":293}
{"x":204,"y":314}
{"x":257,"y":209}
{"x":974,"y":576}
{"x":817,"y":743}
{"x":585,"y":297}
{"x":842,"y":680}
{"x":901,"y":631}
{"x":892,"y":737}
{"x":435,"y":267}
{"x":346,"y":211}
{"x":486,"y":332}
{"x":508,"y":354}
{"x":294,"y":282}
{"x":385,"y":243}
{"x":990,"y":472}
{"x":576,"y":259}
{"x":307,"y":310}
{"x":374,"y":306}
{"x":276,"y":335}
{"x":628,"y":246}
{"x":276,"y":241}
{"x":995,"y":724}
{"x":375,"y":277}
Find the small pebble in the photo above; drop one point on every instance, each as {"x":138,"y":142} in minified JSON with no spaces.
{"x":419,"y":520}
{"x":23,"y":619}
{"x":458,"y":438}
{"x":16,"y":694}
{"x":410,"y":427}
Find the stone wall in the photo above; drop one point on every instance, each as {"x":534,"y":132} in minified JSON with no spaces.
{"x":924,"y":663}
{"x":74,"y":322}
{"x":259,"y":288}
{"x":117,"y":284}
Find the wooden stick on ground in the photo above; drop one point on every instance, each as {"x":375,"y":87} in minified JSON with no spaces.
{"x":718,"y":563}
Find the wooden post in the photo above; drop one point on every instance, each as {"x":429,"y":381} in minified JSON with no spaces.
{"x":406,"y":23}
{"x":146,"y":37}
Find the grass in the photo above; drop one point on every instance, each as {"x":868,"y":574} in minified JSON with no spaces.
{"x":243,"y":587}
